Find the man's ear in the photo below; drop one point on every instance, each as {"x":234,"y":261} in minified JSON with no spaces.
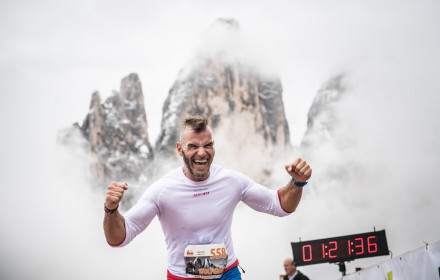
{"x":179,"y":148}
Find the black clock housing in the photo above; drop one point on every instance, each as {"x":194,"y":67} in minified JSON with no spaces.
{"x":340,"y":248}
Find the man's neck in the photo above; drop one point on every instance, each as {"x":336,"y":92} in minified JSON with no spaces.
{"x":293,"y":274}
{"x":193,"y":177}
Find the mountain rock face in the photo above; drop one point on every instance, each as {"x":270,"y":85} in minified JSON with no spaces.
{"x":116,"y":130}
{"x":245,"y":108}
{"x":330,"y":142}
{"x":322,"y":116}
{"x":226,"y":93}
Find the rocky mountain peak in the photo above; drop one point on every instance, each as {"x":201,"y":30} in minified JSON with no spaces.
{"x":322,"y":114}
{"x":117,"y":131}
{"x":245,"y":107}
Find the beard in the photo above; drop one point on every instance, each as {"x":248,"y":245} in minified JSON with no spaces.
{"x":198,"y":175}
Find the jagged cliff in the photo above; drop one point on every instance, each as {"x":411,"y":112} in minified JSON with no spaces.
{"x":322,"y":116}
{"x":226,"y":92}
{"x":117,"y":132}
{"x":245,"y":107}
{"x":330,"y":141}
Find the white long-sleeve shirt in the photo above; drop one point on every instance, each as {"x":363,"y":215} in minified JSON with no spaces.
{"x":197,"y":212}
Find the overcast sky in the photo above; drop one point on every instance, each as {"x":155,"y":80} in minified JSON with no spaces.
{"x":54,"y":54}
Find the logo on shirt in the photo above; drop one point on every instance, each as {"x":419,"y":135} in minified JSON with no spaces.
{"x":200,"y":194}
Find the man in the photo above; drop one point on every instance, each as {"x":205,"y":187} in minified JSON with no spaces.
{"x":291,"y":272}
{"x":195,"y":205}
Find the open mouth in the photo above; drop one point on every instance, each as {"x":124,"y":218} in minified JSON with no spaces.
{"x":200,"y":162}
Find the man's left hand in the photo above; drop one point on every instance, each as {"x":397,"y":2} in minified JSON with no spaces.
{"x":299,"y":170}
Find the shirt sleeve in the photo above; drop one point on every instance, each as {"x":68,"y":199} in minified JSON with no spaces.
{"x":140,"y":215}
{"x":260,"y":198}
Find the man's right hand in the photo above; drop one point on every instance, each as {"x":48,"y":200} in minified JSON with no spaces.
{"x":115,"y":192}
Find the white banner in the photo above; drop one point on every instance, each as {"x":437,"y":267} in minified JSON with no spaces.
{"x":422,"y":263}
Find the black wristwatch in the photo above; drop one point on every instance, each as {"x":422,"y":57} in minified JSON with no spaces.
{"x":299,"y":184}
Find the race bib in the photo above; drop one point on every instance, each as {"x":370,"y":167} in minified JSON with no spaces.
{"x":205,"y":261}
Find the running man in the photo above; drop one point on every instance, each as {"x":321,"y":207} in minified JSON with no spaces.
{"x":195,"y":204}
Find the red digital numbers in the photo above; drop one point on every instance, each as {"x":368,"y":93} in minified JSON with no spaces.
{"x":329,"y":251}
{"x":371,"y":244}
{"x":357,"y":246}
{"x":340,"y":248}
{"x":307,"y":253}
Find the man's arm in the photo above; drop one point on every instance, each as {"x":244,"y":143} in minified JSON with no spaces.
{"x":114,"y":223}
{"x":290,"y":195}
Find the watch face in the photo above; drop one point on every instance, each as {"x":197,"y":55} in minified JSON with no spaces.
{"x":340,"y":248}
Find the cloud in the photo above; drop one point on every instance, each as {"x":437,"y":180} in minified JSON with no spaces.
{"x":383,"y":174}
{"x":55,"y":55}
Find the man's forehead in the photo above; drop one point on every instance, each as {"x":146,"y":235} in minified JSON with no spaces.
{"x":189,"y":135}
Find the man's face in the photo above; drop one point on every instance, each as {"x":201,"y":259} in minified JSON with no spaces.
{"x":197,"y":150}
{"x":289,"y":268}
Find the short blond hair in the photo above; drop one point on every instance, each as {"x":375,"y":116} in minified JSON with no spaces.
{"x":197,"y":123}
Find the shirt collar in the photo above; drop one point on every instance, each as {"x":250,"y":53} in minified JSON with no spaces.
{"x":293,"y":276}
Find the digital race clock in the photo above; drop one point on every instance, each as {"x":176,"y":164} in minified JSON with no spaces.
{"x":341,"y":248}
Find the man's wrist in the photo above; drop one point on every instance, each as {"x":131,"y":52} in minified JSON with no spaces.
{"x":299,"y":184}
{"x":110,"y":211}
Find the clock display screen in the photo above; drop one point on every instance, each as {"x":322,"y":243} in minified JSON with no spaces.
{"x":341,"y":248}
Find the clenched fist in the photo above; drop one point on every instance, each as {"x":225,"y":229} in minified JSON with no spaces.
{"x":299,"y":170}
{"x":115,"y":192}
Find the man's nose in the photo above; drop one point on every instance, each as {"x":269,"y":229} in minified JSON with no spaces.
{"x":201,"y":151}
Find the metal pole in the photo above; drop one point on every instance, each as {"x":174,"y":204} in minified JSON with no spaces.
{"x":342,"y":268}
